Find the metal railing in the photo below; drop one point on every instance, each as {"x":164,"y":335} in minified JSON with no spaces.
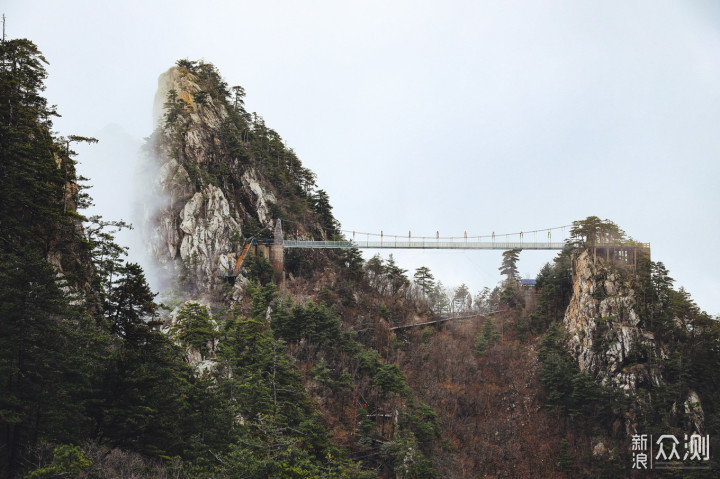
{"x":392,"y":243}
{"x":619,"y":244}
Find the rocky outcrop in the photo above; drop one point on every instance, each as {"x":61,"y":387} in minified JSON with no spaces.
{"x":201,"y":362}
{"x":605,"y":336}
{"x":207,"y":231}
{"x":173,"y":184}
{"x":261,"y":197}
{"x":694,"y":411}
{"x":604,"y":333}
{"x":194,"y":219}
{"x":205,"y":116}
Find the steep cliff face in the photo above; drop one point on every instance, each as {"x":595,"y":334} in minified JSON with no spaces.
{"x":605,"y":335}
{"x":202,"y":193}
{"x":607,"y":338}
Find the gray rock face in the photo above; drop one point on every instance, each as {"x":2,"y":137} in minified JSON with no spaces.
{"x":193,"y":225}
{"x":210,"y":113}
{"x":694,"y":411}
{"x":174,"y":188}
{"x":261,"y":196}
{"x":207,"y":230}
{"x":185,"y":228}
{"x":606,"y":339}
{"x":603,"y":325}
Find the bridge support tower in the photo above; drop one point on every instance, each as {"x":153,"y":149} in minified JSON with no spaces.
{"x":277,"y":254}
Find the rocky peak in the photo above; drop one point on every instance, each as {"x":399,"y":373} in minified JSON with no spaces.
{"x":204,"y":110}
{"x":604,"y":332}
{"x":201,"y":192}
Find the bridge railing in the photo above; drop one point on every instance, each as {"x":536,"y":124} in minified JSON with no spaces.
{"x":619,"y":243}
{"x":392,"y":243}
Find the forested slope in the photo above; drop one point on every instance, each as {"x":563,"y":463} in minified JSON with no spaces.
{"x":252,"y":375}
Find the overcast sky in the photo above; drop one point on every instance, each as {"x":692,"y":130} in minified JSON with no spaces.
{"x":453,"y":116}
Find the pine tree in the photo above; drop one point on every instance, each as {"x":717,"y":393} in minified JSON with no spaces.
{"x":509,"y":265}
{"x":46,"y":365}
{"x":592,"y":230}
{"x":424,"y":279}
{"x":194,"y":327}
{"x":147,"y":383}
{"x":439,"y":301}
{"x":320,"y":203}
{"x":565,"y":460}
{"x":396,"y":276}
{"x":488,"y":337}
{"x":281,"y":435}
{"x":460,"y":298}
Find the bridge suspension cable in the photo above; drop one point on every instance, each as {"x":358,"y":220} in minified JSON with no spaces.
{"x":362,"y":239}
{"x":353,"y":234}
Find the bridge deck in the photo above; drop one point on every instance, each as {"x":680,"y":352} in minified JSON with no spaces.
{"x":424,"y":244}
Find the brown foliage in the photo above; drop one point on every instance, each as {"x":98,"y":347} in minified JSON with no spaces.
{"x":489,"y":405}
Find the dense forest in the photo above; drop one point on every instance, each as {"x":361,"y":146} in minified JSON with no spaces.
{"x":245,"y":376}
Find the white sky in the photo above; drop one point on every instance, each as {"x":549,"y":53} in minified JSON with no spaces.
{"x":474,"y":116}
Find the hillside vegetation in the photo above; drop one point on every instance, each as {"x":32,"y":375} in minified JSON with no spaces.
{"x":249,"y":376}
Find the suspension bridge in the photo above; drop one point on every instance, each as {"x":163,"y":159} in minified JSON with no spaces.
{"x":541,"y":239}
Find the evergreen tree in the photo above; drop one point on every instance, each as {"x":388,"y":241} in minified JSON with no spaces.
{"x":239,"y":99}
{"x":592,"y":230}
{"x":460,"y":298}
{"x":147,"y":383}
{"x":396,"y":276}
{"x":424,"y":279}
{"x":565,"y":459}
{"x":375,"y":269}
{"x":662,"y":283}
{"x":554,"y":289}
{"x":509,"y":295}
{"x":488,"y":337}
{"x":352,"y":260}
{"x":439,"y":301}
{"x":32,"y":181}
{"x":194,"y":327}
{"x":281,"y":435}
{"x":320,"y":203}
{"x":509,"y":265}
{"x":48,"y":340}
